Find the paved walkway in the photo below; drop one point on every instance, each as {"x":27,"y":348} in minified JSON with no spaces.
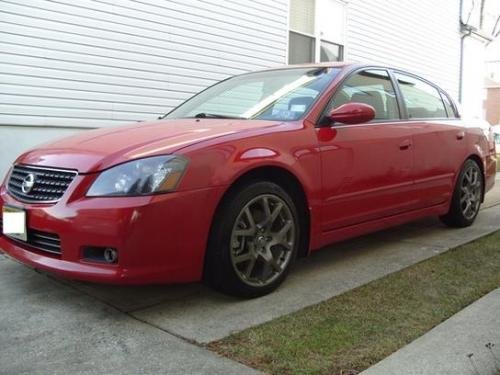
{"x":466,"y":344}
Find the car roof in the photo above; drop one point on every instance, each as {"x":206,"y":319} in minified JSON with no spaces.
{"x":346,"y":65}
{"x":342,"y":64}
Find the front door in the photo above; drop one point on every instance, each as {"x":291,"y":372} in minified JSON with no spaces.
{"x":367,"y":168}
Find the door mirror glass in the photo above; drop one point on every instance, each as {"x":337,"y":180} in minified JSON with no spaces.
{"x":352,"y":113}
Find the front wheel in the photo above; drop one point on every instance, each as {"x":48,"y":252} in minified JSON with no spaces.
{"x":254,"y":240}
{"x":467,"y":197}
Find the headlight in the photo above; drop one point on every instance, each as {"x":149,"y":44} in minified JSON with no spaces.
{"x":140,"y":177}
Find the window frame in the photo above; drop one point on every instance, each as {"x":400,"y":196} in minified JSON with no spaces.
{"x":314,"y":49}
{"x":318,"y":37}
{"x":341,"y":50}
{"x":323,"y":118}
{"x":436,"y":87}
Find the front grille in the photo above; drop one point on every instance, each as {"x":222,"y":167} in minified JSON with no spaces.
{"x":39,"y":184}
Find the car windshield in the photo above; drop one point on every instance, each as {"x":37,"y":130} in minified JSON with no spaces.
{"x":282,"y":95}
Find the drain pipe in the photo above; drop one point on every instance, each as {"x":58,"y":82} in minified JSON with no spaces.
{"x":465,"y":32}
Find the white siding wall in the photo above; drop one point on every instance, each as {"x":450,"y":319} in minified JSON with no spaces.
{"x":419,"y":36}
{"x":92,"y":63}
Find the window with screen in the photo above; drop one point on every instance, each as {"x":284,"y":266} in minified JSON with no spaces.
{"x":301,"y":48}
{"x":302,"y":43}
{"x":316,"y":31}
{"x":372,"y":87}
{"x":331,"y":52}
{"x":422,"y":99}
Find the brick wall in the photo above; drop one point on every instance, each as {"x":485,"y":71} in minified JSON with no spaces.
{"x":492,"y":105}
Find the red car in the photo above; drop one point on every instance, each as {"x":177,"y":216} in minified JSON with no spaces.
{"x":231,"y":186}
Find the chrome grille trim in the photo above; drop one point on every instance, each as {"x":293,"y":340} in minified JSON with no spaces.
{"x":49,"y":186}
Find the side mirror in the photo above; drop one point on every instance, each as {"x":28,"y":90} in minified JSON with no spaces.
{"x":352,"y":113}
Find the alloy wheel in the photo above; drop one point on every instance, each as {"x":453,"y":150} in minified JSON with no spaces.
{"x":471,"y":192}
{"x":262,"y":240}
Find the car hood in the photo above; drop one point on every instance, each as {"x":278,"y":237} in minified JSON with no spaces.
{"x":95,"y":150}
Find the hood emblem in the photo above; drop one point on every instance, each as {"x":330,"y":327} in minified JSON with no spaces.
{"x":28,"y":183}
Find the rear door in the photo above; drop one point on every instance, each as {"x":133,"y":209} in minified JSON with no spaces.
{"x":366,"y":168}
{"x":438,"y":138}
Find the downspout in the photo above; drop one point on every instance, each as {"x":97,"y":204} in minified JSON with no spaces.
{"x":461,"y":78}
{"x":465,"y":32}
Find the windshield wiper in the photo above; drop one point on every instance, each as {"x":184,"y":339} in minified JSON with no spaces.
{"x":216,"y":115}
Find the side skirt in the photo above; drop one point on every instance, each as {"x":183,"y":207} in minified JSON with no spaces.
{"x":356,"y":230}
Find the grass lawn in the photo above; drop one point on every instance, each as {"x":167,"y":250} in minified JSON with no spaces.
{"x":353,"y":331}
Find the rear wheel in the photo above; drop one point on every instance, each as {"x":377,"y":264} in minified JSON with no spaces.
{"x":254,"y":240}
{"x":467,"y":196}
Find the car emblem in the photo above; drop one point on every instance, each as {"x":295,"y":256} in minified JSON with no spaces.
{"x":28,"y":183}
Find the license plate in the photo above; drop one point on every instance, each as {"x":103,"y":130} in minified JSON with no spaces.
{"x":14,"y":222}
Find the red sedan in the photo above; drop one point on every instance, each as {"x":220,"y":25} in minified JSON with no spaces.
{"x":231,"y":186}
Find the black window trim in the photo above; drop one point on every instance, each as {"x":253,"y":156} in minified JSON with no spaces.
{"x":455,"y":113}
{"x":439,"y":90}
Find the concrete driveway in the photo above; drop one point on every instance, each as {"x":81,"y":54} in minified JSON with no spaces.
{"x":50,"y":328}
{"x":54,"y":325}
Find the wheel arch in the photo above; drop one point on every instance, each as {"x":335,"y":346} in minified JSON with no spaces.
{"x":287,"y":181}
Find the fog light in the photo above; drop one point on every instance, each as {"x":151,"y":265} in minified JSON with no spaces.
{"x":110,"y":255}
{"x":107,"y":255}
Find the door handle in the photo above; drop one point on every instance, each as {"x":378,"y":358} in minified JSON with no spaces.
{"x":405,"y":145}
{"x":460,"y":135}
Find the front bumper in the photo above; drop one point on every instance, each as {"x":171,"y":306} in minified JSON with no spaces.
{"x":159,"y":238}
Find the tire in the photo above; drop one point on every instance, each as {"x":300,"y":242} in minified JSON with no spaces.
{"x":254,"y":240}
{"x":467,"y":196}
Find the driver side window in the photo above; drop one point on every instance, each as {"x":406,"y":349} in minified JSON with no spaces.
{"x":372,"y":87}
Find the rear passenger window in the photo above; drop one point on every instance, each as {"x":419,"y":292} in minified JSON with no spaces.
{"x":422,"y":100}
{"x":373,"y":87}
{"x":449,"y":107}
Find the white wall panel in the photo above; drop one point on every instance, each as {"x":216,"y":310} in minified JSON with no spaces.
{"x":126,"y":60}
{"x":419,"y":36}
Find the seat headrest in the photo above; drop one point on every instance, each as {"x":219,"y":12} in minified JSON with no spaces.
{"x":373,"y":98}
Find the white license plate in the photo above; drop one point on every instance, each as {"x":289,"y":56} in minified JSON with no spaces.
{"x":14,"y":222}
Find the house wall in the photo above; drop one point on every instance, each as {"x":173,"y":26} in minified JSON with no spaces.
{"x":71,"y":65}
{"x":419,"y":36}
